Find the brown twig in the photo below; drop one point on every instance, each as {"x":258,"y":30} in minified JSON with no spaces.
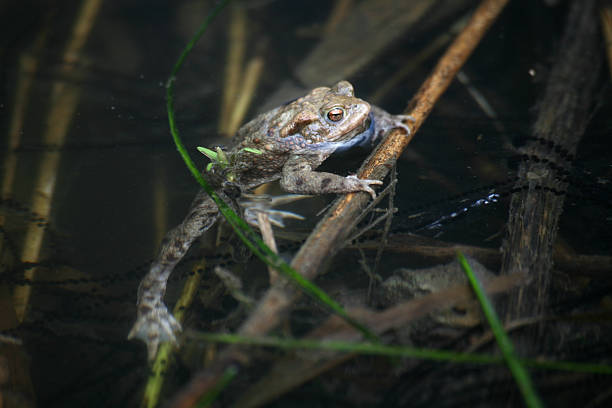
{"x":385,"y":233}
{"x":433,"y":251}
{"x":268,"y":237}
{"x":242,"y":101}
{"x":236,"y":51}
{"x":331,"y":232}
{"x":241,"y":80}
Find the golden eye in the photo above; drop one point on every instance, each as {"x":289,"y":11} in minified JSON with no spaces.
{"x":335,"y":114}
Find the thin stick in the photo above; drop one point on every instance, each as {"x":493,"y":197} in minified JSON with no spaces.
{"x":268,"y":238}
{"x":233,"y":68}
{"x":387,"y":227}
{"x":28,"y":64}
{"x":252,"y":74}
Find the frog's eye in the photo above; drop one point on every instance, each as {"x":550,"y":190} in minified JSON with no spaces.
{"x":335,"y":114}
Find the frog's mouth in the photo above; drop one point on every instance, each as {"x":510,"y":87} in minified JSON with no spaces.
{"x":359,"y":131}
{"x":359,"y":136}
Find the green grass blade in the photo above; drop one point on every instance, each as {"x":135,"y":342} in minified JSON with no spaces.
{"x":520,"y":374}
{"x":351,"y":347}
{"x":394,"y":351}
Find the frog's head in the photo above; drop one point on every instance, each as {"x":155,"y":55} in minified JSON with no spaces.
{"x":328,"y":115}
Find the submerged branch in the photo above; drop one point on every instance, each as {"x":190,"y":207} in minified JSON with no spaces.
{"x":563,"y":113}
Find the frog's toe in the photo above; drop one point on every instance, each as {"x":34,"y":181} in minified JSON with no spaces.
{"x":399,"y":122}
{"x":364,"y":184}
{"x":264,"y":203}
{"x":369,"y":189}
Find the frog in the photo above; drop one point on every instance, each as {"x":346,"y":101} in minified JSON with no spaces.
{"x":286,"y":144}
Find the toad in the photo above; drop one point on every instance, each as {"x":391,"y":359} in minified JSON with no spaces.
{"x":287,"y":143}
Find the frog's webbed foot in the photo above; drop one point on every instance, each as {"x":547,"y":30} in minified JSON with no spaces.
{"x":356,"y":184}
{"x":263,"y":203}
{"x":155,"y":325}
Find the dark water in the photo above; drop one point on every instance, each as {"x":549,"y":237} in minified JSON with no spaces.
{"x":120,"y":185}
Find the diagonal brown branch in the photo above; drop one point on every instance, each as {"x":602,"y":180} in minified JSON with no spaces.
{"x":333,"y":230}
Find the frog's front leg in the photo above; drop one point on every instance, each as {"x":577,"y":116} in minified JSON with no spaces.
{"x":298,"y":177}
{"x":154,"y":323}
